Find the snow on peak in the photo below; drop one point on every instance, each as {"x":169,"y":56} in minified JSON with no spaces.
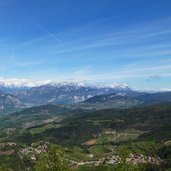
{"x":17,"y":83}
{"x":117,"y":85}
{"x":69,"y":83}
{"x":79,"y":84}
{"x":113,"y":85}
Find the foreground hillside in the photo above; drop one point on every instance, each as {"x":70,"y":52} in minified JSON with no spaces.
{"x":136,"y":138}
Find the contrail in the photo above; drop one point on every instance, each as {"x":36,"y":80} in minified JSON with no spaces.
{"x":49,"y":33}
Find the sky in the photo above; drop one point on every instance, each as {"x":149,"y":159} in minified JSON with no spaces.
{"x":123,"y":41}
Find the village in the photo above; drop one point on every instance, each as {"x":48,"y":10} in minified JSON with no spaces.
{"x":115,"y":159}
{"x":32,"y":152}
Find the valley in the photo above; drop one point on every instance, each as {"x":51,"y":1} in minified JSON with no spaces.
{"x":88,"y":139}
{"x":118,"y":128}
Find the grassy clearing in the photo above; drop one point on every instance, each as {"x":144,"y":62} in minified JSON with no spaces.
{"x":147,"y":148}
{"x":41,"y":129}
{"x":99,"y":149}
{"x":76,"y":154}
{"x":115,"y":136}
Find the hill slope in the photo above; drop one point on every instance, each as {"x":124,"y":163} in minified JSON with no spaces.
{"x":126,"y":100}
{"x":9,"y":103}
{"x":32,"y":116}
{"x":76,"y":130}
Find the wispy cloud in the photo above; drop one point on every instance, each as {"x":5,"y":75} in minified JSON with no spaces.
{"x":49,"y":33}
{"x":28,"y":63}
{"x":82,"y":71}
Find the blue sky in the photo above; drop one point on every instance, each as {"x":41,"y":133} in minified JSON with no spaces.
{"x":125,"y":41}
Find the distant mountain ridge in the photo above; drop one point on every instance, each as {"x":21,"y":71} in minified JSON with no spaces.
{"x":25,"y":83}
{"x":96,"y":96}
{"x":21,"y":83}
{"x":67,"y":92}
{"x":9,"y":102}
{"x":126,"y":100}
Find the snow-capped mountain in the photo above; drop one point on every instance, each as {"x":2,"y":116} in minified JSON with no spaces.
{"x":68,"y":92}
{"x":20,"y":83}
{"x":18,"y":92}
{"x":42,"y":92}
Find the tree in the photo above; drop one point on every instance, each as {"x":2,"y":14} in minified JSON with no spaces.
{"x":51,"y":161}
{"x":3,"y":168}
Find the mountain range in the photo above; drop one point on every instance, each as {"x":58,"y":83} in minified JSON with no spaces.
{"x":15,"y":96}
